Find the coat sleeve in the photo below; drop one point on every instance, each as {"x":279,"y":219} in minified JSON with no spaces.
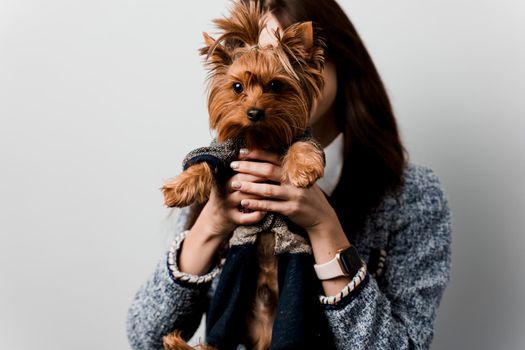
{"x":400,"y":314}
{"x":162,"y":305}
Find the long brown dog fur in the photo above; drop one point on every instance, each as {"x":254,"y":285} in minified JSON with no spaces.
{"x":174,"y":341}
{"x":296,"y":63}
{"x":192,"y":185}
{"x":261,"y":314}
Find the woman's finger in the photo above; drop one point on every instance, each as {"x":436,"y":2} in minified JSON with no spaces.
{"x":261,"y":155}
{"x":268,"y":171}
{"x":234,"y":199}
{"x":248,"y":177}
{"x":246,"y":218}
{"x":264,"y":190}
{"x":282,"y":207}
{"x":242,"y":177}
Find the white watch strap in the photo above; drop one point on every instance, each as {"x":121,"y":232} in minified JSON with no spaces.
{"x":329,"y":270}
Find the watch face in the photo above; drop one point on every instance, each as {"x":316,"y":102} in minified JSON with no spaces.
{"x":350,"y":261}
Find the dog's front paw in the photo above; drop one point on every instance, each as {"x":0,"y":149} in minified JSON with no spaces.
{"x":192,"y":185}
{"x":302,"y":165}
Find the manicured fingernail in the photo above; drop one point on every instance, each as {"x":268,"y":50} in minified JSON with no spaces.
{"x":234,"y":165}
{"x":236,"y":184}
{"x":245,"y":203}
{"x":244,"y":151}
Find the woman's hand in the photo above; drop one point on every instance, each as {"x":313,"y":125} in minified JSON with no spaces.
{"x":308,"y":207}
{"x":219,"y":217}
{"x":223,"y":212}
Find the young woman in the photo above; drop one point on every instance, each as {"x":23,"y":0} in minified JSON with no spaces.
{"x":392,"y":212}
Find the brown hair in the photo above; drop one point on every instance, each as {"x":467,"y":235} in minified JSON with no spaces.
{"x":374,"y":155}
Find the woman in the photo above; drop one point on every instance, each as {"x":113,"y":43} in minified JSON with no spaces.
{"x":394,"y":213}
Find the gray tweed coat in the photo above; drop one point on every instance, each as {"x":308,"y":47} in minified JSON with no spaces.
{"x":396,"y":311}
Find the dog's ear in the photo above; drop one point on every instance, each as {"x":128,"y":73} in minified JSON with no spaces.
{"x":208,"y":40}
{"x":305,"y":31}
{"x":301,"y":43}
{"x":304,"y":52}
{"x":216,"y":55}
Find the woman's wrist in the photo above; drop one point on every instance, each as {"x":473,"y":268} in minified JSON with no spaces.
{"x":328,"y":234}
{"x":326,"y":239}
{"x":197,"y":253}
{"x":201,"y":244}
{"x":179,"y":274}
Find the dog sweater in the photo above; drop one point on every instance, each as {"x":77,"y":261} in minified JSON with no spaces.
{"x":297,"y":323}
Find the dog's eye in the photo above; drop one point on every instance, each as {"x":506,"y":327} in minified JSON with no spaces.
{"x":275,"y":86}
{"x":237,"y":87}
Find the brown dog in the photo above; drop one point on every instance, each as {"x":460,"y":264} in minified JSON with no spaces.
{"x":263,"y":95}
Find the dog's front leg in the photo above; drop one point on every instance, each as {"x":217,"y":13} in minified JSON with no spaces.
{"x":303,"y":164}
{"x":192,"y":185}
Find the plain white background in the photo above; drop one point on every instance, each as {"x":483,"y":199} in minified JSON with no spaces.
{"x":100,"y":100}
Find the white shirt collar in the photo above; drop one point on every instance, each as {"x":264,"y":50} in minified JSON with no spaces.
{"x":334,"y":165}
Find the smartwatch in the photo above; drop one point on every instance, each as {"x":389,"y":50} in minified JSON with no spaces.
{"x":346,"y":263}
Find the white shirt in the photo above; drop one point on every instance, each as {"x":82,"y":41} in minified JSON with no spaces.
{"x":334,"y":165}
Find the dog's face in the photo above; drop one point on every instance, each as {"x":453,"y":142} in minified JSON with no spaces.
{"x":259,"y":101}
{"x":263,"y":95}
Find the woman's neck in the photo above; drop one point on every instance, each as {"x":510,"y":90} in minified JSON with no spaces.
{"x":325,"y":128}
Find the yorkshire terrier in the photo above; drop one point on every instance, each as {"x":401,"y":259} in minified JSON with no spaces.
{"x":264,"y":97}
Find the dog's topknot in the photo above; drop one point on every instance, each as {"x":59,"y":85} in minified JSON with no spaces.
{"x":241,"y":29}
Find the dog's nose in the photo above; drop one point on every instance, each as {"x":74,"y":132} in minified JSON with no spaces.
{"x":255,"y":114}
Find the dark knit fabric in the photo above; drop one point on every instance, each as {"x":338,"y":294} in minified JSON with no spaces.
{"x":217,"y":155}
